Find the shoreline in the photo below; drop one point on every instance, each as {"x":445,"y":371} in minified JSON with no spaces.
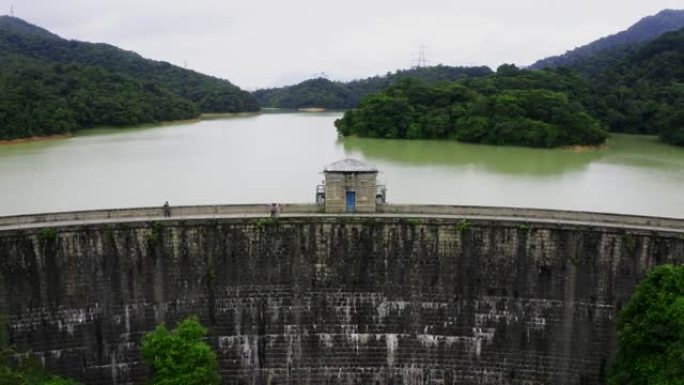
{"x":312,"y":109}
{"x":85,"y":131}
{"x":33,"y":139}
{"x":585,"y":147}
{"x":45,"y":138}
{"x":218,"y":115}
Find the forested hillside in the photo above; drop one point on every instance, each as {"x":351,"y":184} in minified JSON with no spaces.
{"x":319,"y":92}
{"x":641,"y":93}
{"x":517,"y":107}
{"x":41,"y":98}
{"x":608,"y":50}
{"x":644,"y":93}
{"x":331,"y":94}
{"x":50,"y":85}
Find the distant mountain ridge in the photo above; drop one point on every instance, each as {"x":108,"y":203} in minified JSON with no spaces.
{"x":615,"y":47}
{"x":16,"y":25}
{"x":324,"y":93}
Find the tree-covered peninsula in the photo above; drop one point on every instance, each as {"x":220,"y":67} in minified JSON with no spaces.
{"x":49,"y":85}
{"x":641,"y":92}
{"x":516,"y":107}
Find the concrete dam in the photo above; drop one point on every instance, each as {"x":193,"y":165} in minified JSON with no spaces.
{"x":412,"y":295}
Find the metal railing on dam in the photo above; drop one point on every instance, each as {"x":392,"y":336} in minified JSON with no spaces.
{"x":303,"y":209}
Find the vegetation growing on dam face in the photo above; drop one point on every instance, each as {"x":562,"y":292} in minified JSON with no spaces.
{"x":527,"y":108}
{"x":651,"y":331}
{"x":21,"y":369}
{"x":26,"y":371}
{"x":180,"y":356}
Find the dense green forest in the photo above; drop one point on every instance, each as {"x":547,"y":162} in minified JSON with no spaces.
{"x":41,"y":98}
{"x":644,"y":93}
{"x":641,"y":92}
{"x":637,"y":77}
{"x":317,"y":92}
{"x":651,"y":331}
{"x":325,"y":93}
{"x":589,"y":60}
{"x":527,"y":108}
{"x":49,"y":85}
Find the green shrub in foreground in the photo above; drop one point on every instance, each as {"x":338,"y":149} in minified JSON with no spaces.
{"x":651,"y":331}
{"x":180,"y":356}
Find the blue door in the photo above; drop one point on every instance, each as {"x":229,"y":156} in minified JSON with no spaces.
{"x":351,"y":201}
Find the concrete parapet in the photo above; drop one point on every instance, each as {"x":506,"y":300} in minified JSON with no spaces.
{"x":304,"y":209}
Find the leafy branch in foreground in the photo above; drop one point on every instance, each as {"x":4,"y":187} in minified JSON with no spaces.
{"x":180,"y":356}
{"x":651,"y":331}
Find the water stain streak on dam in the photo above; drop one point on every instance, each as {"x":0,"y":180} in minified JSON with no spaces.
{"x":332,"y":299}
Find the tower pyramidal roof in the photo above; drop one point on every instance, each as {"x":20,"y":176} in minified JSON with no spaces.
{"x":350,"y":165}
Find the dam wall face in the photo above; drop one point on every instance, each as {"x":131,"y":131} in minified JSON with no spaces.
{"x":331,"y":300}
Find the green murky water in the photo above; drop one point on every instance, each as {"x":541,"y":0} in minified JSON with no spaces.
{"x":277,"y":157}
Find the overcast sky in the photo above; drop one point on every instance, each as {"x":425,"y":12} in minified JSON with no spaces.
{"x":259,"y":43}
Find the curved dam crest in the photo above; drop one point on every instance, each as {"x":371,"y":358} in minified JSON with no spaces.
{"x":413,"y":295}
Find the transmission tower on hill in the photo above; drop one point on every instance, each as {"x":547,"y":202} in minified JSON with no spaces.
{"x":421,"y":59}
{"x":12,"y":10}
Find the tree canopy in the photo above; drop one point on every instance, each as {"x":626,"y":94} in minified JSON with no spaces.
{"x":640,"y":90}
{"x":39,"y":98}
{"x":49,"y":85}
{"x":180,"y":356}
{"x":644,"y":93}
{"x":518,"y":107}
{"x":651,"y":331}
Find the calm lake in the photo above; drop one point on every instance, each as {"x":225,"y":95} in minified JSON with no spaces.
{"x":278,"y":157}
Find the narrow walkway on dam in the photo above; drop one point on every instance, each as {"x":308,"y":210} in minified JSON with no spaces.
{"x":502,"y":214}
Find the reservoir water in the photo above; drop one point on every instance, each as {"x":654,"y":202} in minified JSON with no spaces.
{"x":278,"y":157}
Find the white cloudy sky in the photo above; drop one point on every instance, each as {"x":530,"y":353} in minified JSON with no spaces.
{"x":260,"y":43}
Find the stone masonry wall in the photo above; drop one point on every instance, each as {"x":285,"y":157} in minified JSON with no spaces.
{"x":325,"y":300}
{"x":337,"y":185}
